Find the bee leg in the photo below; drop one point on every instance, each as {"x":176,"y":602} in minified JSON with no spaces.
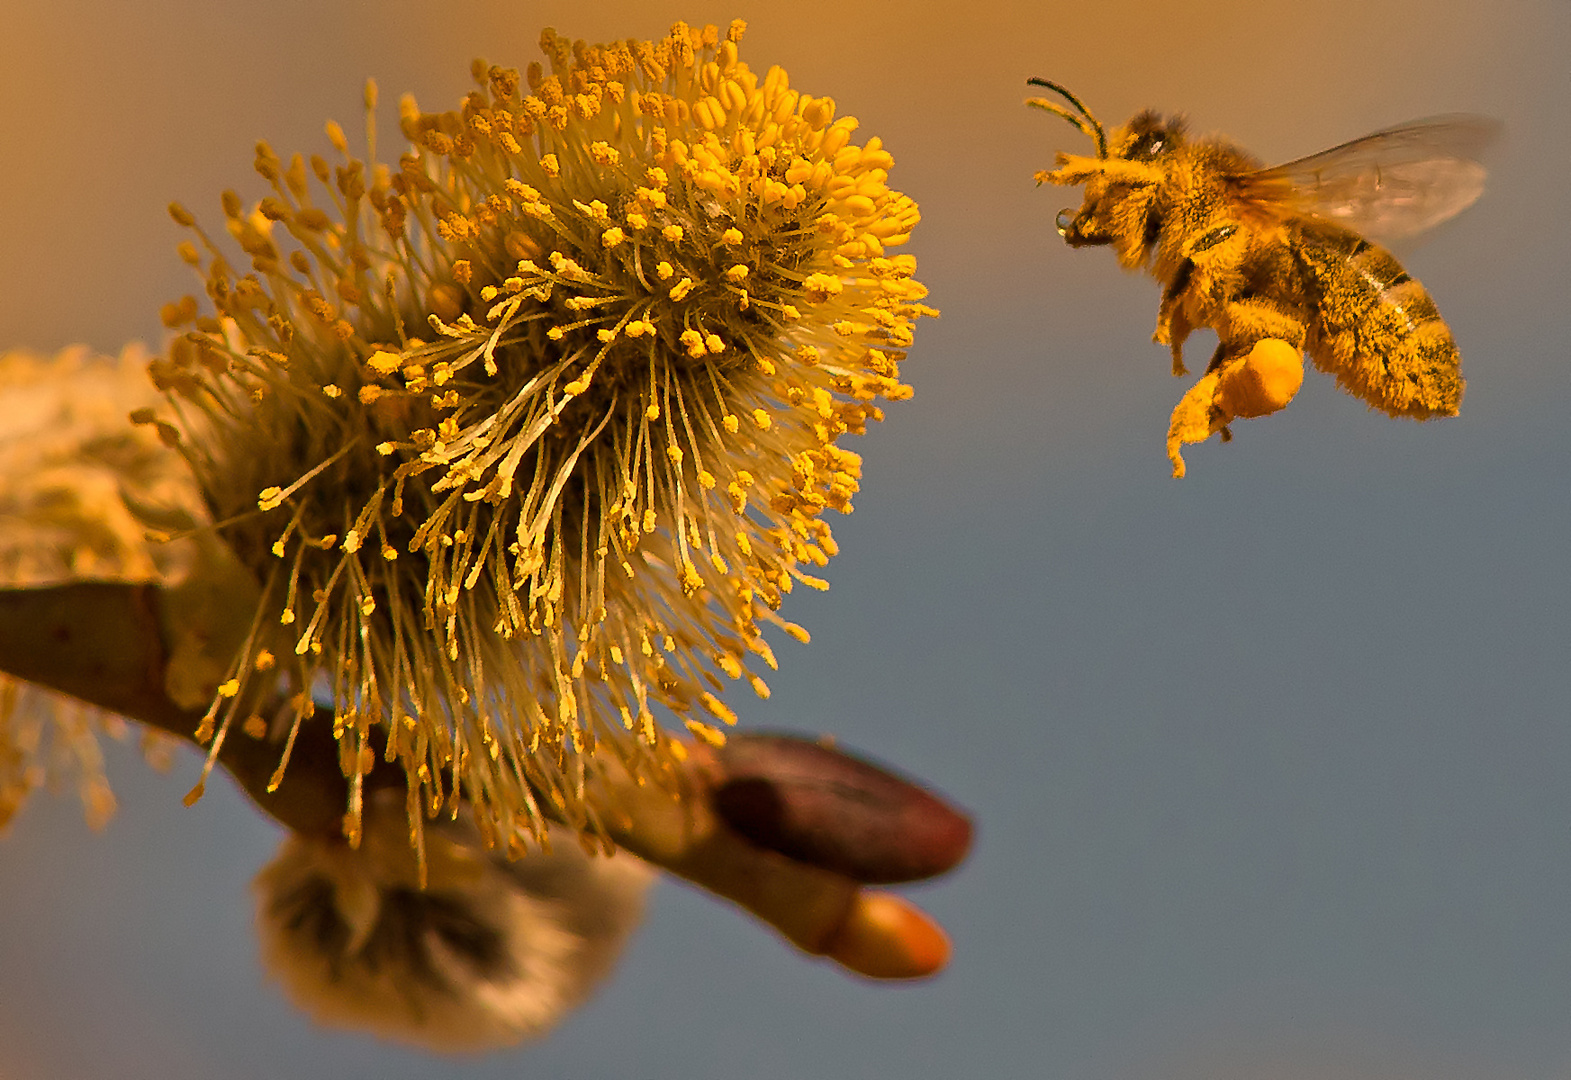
{"x":1245,"y":322}
{"x":1236,"y":386}
{"x":1261,"y":381}
{"x":1172,"y":325}
{"x":1178,"y":330}
{"x":1195,"y":419}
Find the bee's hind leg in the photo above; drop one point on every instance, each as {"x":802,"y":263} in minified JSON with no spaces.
{"x":1195,"y":419}
{"x":1260,"y":359}
{"x":1253,"y":379}
{"x":1243,"y":323}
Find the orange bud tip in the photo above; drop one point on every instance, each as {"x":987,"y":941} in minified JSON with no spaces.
{"x":885,"y":937}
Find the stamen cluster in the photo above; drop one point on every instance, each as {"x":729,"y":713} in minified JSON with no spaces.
{"x":531,"y":433}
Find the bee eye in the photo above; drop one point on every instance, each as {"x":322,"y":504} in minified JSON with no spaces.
{"x":1148,"y":146}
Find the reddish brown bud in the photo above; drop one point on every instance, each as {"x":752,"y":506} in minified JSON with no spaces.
{"x":825,"y":808}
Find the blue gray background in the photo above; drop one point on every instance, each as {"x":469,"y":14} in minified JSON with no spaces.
{"x":1272,"y":765}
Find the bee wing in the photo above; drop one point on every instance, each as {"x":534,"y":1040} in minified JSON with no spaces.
{"x":1393,"y":183}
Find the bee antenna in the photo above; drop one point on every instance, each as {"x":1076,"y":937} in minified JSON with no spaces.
{"x":1085,"y":121}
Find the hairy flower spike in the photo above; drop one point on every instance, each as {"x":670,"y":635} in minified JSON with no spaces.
{"x":519,"y":359}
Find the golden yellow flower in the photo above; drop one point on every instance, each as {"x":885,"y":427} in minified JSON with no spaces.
{"x":531,"y":433}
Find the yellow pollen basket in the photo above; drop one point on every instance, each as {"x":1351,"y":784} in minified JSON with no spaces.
{"x":1255,"y":384}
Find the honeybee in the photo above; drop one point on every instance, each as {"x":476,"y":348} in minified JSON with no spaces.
{"x":1278,"y":261}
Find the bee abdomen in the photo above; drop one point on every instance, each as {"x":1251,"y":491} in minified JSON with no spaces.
{"x":1379,"y":332}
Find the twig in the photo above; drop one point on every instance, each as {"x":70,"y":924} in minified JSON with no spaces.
{"x":106,"y":644}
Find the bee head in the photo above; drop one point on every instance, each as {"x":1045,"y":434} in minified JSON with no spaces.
{"x":1124,"y":164}
{"x":1074,"y":228}
{"x":1148,"y":137}
{"x":1078,"y":230}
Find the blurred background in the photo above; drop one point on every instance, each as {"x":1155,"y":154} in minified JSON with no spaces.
{"x":1271,"y":765}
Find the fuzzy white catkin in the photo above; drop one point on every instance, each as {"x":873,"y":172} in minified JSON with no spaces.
{"x":80,"y":488}
{"x":80,"y":485}
{"x":491,"y":953}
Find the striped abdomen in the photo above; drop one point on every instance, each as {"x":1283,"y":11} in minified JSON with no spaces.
{"x":1377,"y":330}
